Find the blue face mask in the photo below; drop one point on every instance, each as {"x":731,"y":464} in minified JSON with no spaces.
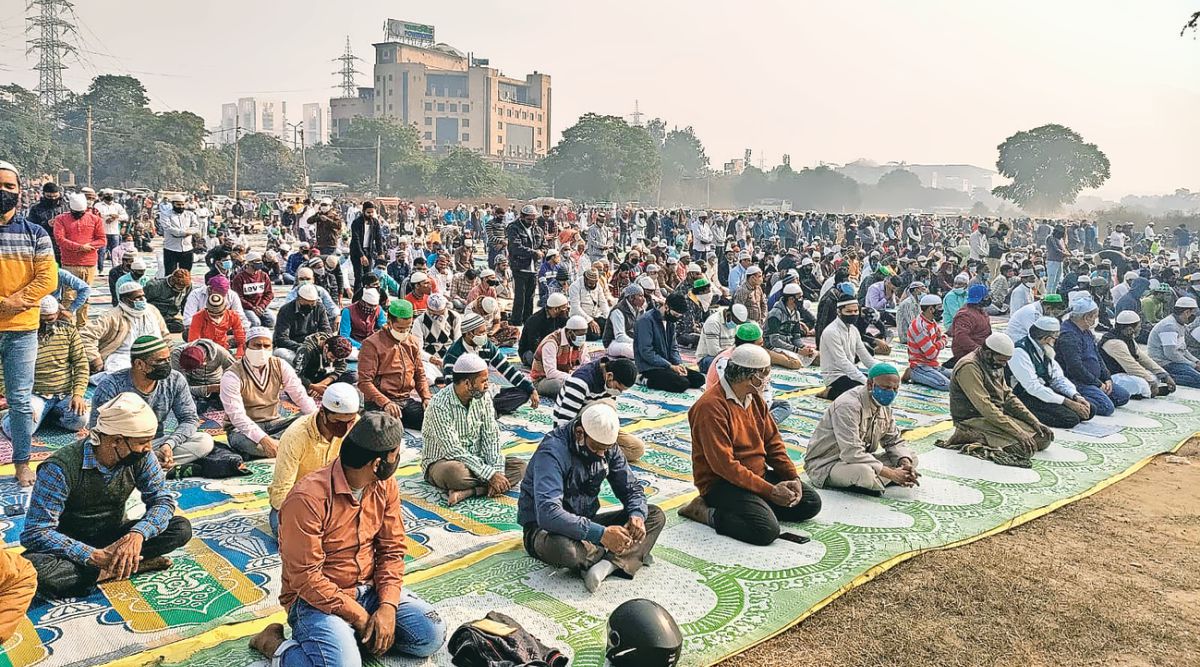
{"x":140,"y":304}
{"x":227,"y":264}
{"x":883,"y":396}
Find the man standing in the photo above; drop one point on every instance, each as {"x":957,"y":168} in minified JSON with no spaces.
{"x":461,"y":452}
{"x":166,"y":391}
{"x":76,"y":531}
{"x":525,"y":241}
{"x":390,"y":373}
{"x":559,"y":507}
{"x":856,"y":445}
{"x":79,"y":234}
{"x":342,"y":600}
{"x":747,"y":482}
{"x":113,"y":215}
{"x":366,"y":241}
{"x":178,"y":225}
{"x":49,"y":207}
{"x":656,"y":352}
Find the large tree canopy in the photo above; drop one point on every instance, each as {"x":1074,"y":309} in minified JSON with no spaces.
{"x":1048,"y":165}
{"x":602,"y":157}
{"x":464,"y":173}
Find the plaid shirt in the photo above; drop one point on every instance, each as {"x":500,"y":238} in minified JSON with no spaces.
{"x":49,"y":497}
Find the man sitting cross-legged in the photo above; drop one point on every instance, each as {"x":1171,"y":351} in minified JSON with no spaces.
{"x":76,"y":532}
{"x":461,"y":454}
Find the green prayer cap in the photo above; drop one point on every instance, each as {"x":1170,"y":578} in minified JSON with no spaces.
{"x":401,"y":308}
{"x":1052,"y":298}
{"x":882,"y":368}
{"x":700,"y":283}
{"x":145,"y":346}
{"x":750,"y":331}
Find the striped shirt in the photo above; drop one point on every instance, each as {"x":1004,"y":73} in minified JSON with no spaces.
{"x":62,"y":363}
{"x":27,"y":267}
{"x":585,"y":385}
{"x":49,"y":498}
{"x":468,"y":434}
{"x":925,"y":342}
{"x":492,"y":355}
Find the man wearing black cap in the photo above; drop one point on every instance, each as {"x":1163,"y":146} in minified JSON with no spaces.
{"x":49,"y":207}
{"x":338,"y":598}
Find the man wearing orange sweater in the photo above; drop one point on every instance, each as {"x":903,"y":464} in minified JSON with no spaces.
{"x":27,"y":273}
{"x":747,"y":482}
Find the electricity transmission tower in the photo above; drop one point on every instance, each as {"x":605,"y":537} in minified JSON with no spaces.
{"x":49,"y":31}
{"x":348,"y":85}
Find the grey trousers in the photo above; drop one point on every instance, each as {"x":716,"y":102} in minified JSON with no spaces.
{"x":862,"y":475}
{"x":548,"y":387}
{"x":562,"y":551}
{"x":452,"y":475}
{"x":196,"y":447}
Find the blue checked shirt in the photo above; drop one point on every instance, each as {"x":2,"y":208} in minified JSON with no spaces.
{"x":50,"y":493}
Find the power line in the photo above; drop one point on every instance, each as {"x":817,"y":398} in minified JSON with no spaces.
{"x":51,"y":44}
{"x":347,"y":72}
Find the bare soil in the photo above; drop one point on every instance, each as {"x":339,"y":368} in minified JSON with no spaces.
{"x":1112,"y":580}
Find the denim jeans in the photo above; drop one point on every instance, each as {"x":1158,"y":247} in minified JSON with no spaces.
{"x":1103,"y":404}
{"x":780,"y":411}
{"x":273,"y":521}
{"x":18,"y":354}
{"x":325,"y":640}
{"x":57,"y":408}
{"x":1053,"y":275}
{"x":934,"y":377}
{"x":1185,"y":374}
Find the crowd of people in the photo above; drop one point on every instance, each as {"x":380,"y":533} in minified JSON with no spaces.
{"x":320,"y":340}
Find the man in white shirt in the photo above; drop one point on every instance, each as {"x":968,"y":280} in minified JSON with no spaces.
{"x":113,"y":215}
{"x":841,"y":347}
{"x":702,"y":235}
{"x":177,"y":225}
{"x":1039,"y":382}
{"x":589,"y":301}
{"x":718,"y":333}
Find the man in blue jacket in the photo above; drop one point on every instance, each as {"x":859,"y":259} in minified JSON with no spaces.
{"x":559,"y":502}
{"x":1079,"y":357}
{"x":655,"y":351}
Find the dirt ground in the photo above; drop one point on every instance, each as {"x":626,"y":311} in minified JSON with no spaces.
{"x":1112,"y":580}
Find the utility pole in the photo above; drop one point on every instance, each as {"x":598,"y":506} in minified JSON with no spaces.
{"x":89,"y":145}
{"x":304,"y":158}
{"x":378,"y":143}
{"x":237,"y":154}
{"x":347,"y":72}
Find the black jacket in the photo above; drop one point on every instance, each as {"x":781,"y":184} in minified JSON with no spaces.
{"x":523,"y":242}
{"x":292,"y":326}
{"x":372,"y":247}
{"x":537,"y":327}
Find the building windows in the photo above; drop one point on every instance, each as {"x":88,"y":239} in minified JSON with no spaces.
{"x":508,"y":112}
{"x":429,"y":135}
{"x":389,"y":106}
{"x":429,"y":106}
{"x":428,"y":120}
{"x":466,"y":108}
{"x":466,"y":122}
{"x":539,"y":143}
{"x":499,"y":139}
{"x":539,"y":117}
{"x":499,"y":125}
{"x":466,"y":137}
{"x":539,"y":130}
{"x":441,"y":106}
{"x":454,"y":108}
{"x":379,"y":107}
{"x":389,"y":77}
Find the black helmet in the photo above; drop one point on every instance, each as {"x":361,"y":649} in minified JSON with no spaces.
{"x":643,"y":634}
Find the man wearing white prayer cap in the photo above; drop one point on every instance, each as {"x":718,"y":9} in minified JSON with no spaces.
{"x":558,"y":355}
{"x":108,"y":338}
{"x":1130,"y":365}
{"x":1038,"y":379}
{"x":311,"y":443}
{"x":76,"y":532}
{"x":461,"y":451}
{"x":560,"y":511}
{"x":250,"y":396}
{"x":990,"y":422}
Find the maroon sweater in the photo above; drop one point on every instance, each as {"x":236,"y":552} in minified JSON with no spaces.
{"x":971,"y":326}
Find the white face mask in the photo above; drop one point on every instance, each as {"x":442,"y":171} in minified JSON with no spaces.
{"x":258,"y":358}
{"x":479,"y":341}
{"x":705,"y":300}
{"x":397,"y":334}
{"x":578,"y":341}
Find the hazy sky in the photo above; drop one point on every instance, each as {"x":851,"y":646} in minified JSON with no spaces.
{"x":920,"y":80}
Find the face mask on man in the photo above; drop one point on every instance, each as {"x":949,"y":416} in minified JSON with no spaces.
{"x":159,"y":370}
{"x":226,"y":264}
{"x":849,"y":319}
{"x":258,"y":358}
{"x":479,"y":340}
{"x":385,"y":470}
{"x":137,"y":305}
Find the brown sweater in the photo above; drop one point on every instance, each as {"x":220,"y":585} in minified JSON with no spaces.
{"x":736,"y":444}
{"x":390,"y":370}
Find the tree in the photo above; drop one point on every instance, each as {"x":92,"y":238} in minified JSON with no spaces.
{"x":751,"y":186}
{"x":265,"y":163}
{"x":27,"y":136}
{"x":602,"y":157}
{"x":823,"y":189}
{"x":1049,"y":165}
{"x":464,"y":173}
{"x":683,"y":155}
{"x":403,"y":168}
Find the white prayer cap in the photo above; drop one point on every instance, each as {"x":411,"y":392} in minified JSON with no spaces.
{"x":437,"y":303}
{"x":138,"y":265}
{"x":341,"y":398}
{"x":651,"y":268}
{"x":48,"y":305}
{"x":128,"y":415}
{"x":418,"y":277}
{"x":577,"y":322}
{"x":931,"y":300}
{"x":177,"y":199}
{"x":791,"y":289}
{"x":1128,"y":317}
{"x":1085,"y":305}
{"x":470,"y":363}
{"x":1185,"y":302}
{"x":962,"y":278}
{"x":1000,"y":343}
{"x":487,"y":273}
{"x":556,"y":300}
{"x":1047,"y":323}
{"x":258,"y":332}
{"x":128,"y":286}
{"x":370,"y":296}
{"x":601,"y":423}
{"x":77,"y":202}
{"x":253,"y":256}
{"x":309,"y":292}
{"x":740,"y":313}
{"x":753,"y":270}
{"x":490,"y":305}
{"x":694,"y":268}
{"x":806,"y":261}
{"x":1130,"y":275}
{"x":751,"y":356}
